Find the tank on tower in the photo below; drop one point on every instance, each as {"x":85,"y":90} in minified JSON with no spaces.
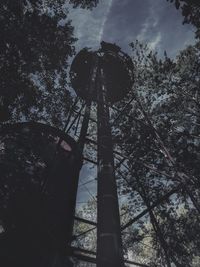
{"x":117,"y":67}
{"x":39,"y":174}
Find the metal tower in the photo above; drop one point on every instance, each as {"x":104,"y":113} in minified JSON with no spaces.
{"x":104,"y":76}
{"x":40,"y":169}
{"x":39,"y":175}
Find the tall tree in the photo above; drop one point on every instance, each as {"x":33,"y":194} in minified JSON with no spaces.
{"x":35,"y":48}
{"x":159,"y":132}
{"x":32,"y":43}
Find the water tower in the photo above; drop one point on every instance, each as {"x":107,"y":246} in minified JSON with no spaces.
{"x":105,"y":77}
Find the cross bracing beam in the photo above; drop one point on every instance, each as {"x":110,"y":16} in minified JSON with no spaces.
{"x":84,"y":233}
{"x":89,"y":140}
{"x":82,"y":254}
{"x":90,"y":160}
{"x":85,"y":221}
{"x":130,"y":116}
{"x":70,"y":113}
{"x":123,"y":110}
{"x":114,"y":151}
{"x":144,"y":212}
{"x":119,"y":115}
{"x":75,"y":118}
{"x":82,"y":115}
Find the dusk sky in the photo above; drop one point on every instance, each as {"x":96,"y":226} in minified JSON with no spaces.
{"x":156,"y":22}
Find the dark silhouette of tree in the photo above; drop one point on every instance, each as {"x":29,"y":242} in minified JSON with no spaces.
{"x":32,"y":43}
{"x":191,"y":12}
{"x":35,"y":49}
{"x":89,"y":4}
{"x":159,"y":132}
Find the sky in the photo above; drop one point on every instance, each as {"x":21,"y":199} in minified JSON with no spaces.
{"x":155,"y":22}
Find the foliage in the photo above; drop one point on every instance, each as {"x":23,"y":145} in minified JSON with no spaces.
{"x":35,"y":49}
{"x":157,"y":135}
{"x":84,"y":3}
{"x":159,"y":132}
{"x":190,"y":11}
{"x":87,"y":241}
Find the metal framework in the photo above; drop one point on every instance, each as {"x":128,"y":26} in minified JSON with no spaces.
{"x":105,"y":91}
{"x":104,"y":76}
{"x":100,"y":78}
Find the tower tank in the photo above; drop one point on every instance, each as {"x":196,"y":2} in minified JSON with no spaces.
{"x":117,"y":67}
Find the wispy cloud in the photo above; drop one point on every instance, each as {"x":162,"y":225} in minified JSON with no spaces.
{"x":105,"y":19}
{"x":122,"y":21}
{"x":149,"y":31}
{"x":154,"y":43}
{"x":89,"y":25}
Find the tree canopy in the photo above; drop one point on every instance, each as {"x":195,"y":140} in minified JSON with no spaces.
{"x":156,"y":136}
{"x":159,"y":132}
{"x":35,"y":49}
{"x":84,"y":3}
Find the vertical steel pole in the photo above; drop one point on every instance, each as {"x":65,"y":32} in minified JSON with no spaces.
{"x":109,"y":244}
{"x":91,"y":87}
{"x":84,"y":128}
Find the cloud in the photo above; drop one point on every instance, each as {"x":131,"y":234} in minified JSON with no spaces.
{"x":149,"y":31}
{"x":105,"y":20}
{"x":89,"y":25}
{"x":163,"y":29}
{"x":154,"y":43}
{"x":150,"y":23}
{"x":124,"y":21}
